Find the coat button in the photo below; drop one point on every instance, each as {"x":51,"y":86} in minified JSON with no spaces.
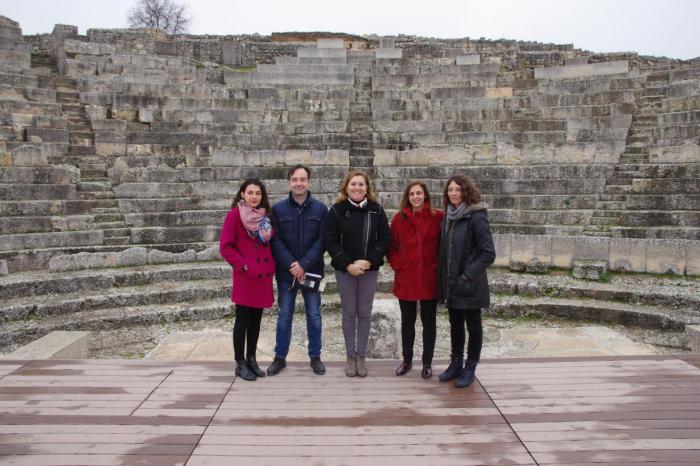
{"x":258,"y":260}
{"x":259,"y":275}
{"x":266,"y":260}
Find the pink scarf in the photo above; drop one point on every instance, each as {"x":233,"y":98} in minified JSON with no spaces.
{"x":256,"y":222}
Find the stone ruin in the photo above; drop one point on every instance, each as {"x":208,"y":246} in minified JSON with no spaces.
{"x":125,"y":147}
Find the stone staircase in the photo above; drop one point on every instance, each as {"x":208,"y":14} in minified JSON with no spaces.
{"x":360,"y":122}
{"x":612,"y":203}
{"x":95,"y":184}
{"x":34,"y":304}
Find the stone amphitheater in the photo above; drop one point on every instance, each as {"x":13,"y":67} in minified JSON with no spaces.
{"x":120,"y":151}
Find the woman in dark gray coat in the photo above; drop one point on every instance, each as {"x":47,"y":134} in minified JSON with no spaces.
{"x":466,"y":250}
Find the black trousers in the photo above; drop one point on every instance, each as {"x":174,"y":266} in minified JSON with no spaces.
{"x":472,"y":317}
{"x":246,"y":327}
{"x":428,"y":311}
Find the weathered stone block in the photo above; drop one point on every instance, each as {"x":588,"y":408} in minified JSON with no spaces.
{"x":384,"y":331}
{"x":693,"y":332}
{"x":55,"y":345}
{"x":231,"y":54}
{"x":156,"y":256}
{"x":589,"y":269}
{"x":73,"y":46}
{"x":499,"y":92}
{"x":209,"y":254}
{"x":387,"y":54}
{"x":578,"y":71}
{"x":692,"y":266}
{"x":503,"y":245}
{"x":567,"y":249}
{"x":666,"y":256}
{"x":330,"y":44}
{"x":472,"y":59}
{"x":82,"y":261}
{"x":132,"y":257}
{"x":533,"y":253}
{"x":28,"y":156}
{"x":3,"y":268}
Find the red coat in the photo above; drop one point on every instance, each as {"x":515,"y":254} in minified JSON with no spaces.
{"x":252,"y":262}
{"x":415,"y":241}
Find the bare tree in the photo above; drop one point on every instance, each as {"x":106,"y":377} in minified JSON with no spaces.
{"x":164,"y":15}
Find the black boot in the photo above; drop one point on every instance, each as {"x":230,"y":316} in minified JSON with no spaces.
{"x":253,"y":366}
{"x":243,"y":372}
{"x":277,"y":365}
{"x":467,"y":377}
{"x":453,"y":371}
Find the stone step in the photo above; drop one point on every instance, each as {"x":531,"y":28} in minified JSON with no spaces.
{"x":361,"y":162}
{"x":117,"y":240}
{"x":94,"y":195}
{"x":94,"y":186}
{"x":106,"y":210}
{"x":159,"y":293}
{"x":108,"y":217}
{"x":21,"y":333}
{"x":67,"y":97}
{"x":604,"y":218}
{"x":609,"y":205}
{"x":618,"y":189}
{"x":110,"y":225}
{"x":117,"y":232}
{"x":81,"y":151}
{"x":651,"y":317}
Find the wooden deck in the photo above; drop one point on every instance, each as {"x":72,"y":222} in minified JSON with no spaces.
{"x":574,"y":411}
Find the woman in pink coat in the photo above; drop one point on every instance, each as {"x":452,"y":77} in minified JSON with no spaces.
{"x":245,"y":244}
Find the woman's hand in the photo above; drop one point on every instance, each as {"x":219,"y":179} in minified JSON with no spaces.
{"x":355,"y":269}
{"x":364,"y":264}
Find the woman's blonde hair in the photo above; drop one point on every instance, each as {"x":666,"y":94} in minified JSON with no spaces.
{"x":342,"y":192}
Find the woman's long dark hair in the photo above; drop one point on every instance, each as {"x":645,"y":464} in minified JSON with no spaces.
{"x":404,"y":198}
{"x":470,"y":193}
{"x":264,"y":201}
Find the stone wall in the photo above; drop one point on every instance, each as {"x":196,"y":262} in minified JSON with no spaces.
{"x":129,"y":138}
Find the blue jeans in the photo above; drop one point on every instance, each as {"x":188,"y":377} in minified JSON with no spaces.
{"x":286,"y":299}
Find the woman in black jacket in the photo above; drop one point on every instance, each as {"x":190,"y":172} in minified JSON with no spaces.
{"x":357,"y":238}
{"x":466,"y":250}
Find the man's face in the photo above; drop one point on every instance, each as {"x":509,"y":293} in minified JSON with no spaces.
{"x":299,"y":182}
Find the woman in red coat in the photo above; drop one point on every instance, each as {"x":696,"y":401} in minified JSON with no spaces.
{"x":415,"y":237}
{"x":245,"y":244}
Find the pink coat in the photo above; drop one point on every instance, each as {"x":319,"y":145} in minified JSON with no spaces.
{"x":252,"y":262}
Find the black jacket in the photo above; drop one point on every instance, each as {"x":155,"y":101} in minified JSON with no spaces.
{"x":354,"y":233}
{"x":466,"y":250}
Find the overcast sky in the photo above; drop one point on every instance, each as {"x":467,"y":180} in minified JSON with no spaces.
{"x":651,"y":27}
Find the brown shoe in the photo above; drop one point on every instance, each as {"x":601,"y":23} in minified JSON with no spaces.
{"x":351,"y":366}
{"x":361,"y":367}
{"x":403,"y":368}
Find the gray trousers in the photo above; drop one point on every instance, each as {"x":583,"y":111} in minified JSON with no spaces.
{"x":356,"y":298}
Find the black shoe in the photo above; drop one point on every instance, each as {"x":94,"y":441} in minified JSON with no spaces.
{"x":253,"y":366}
{"x":277,"y":365}
{"x":243,"y":372}
{"x":427,"y":371}
{"x":317,"y":365}
{"x":403,"y":368}
{"x":453,"y":371}
{"x":468,"y":375}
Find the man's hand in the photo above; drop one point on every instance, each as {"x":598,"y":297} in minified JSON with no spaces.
{"x":297,"y":271}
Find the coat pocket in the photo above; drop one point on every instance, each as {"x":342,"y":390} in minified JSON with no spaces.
{"x":464,"y":287}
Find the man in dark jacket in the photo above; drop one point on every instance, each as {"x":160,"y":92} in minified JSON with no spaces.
{"x":298,"y":248}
